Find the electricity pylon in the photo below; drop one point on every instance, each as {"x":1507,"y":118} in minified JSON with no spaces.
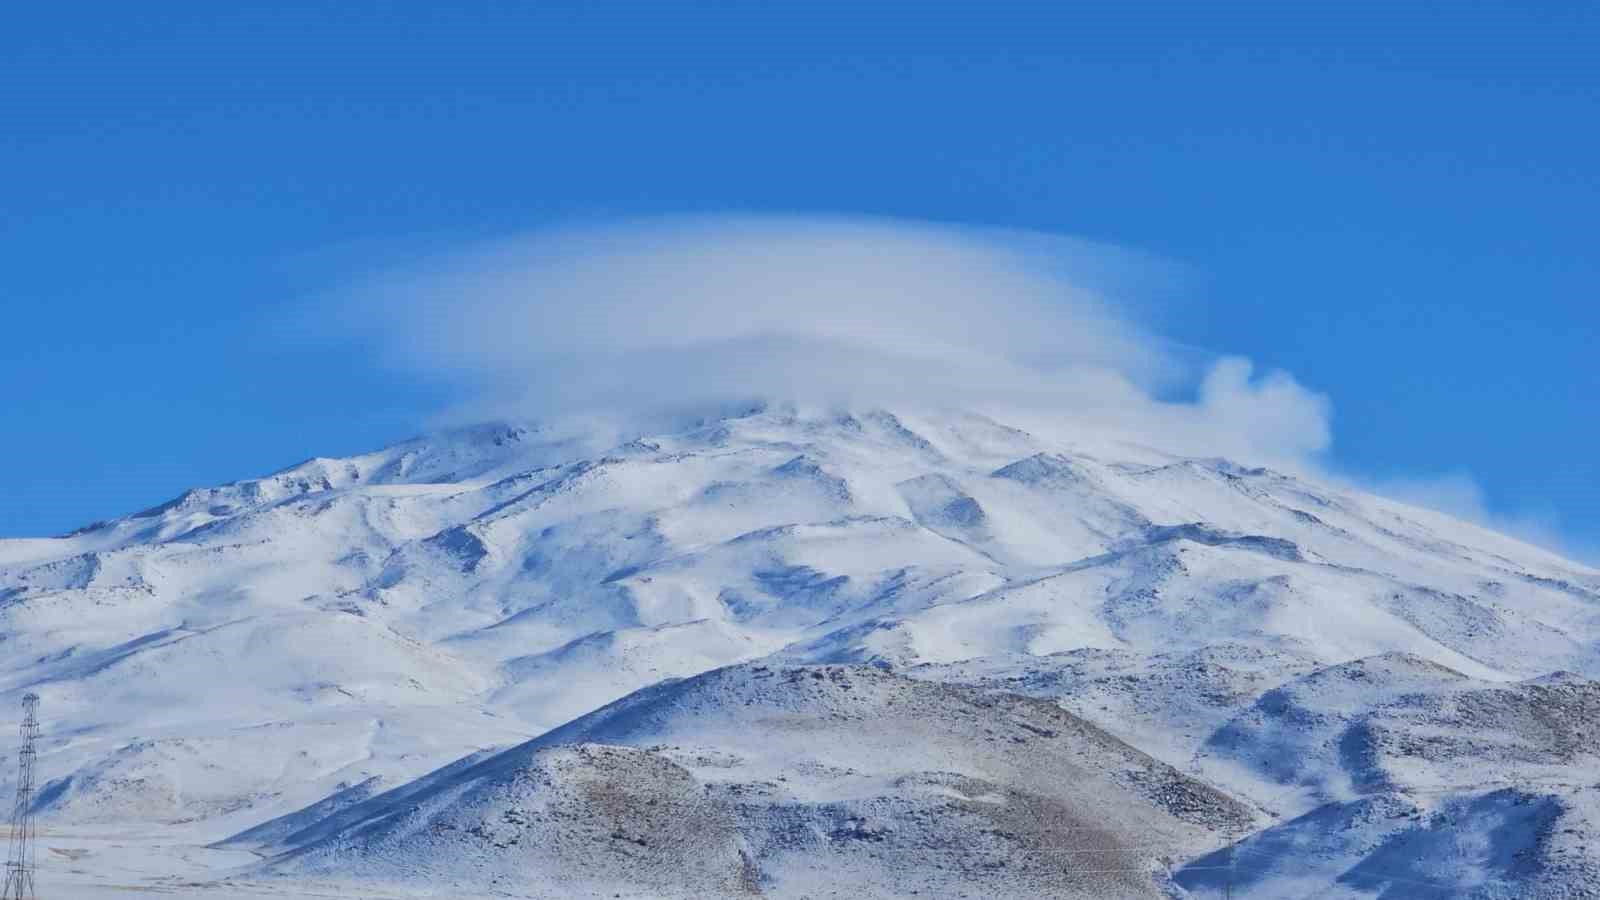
{"x":19,"y":865}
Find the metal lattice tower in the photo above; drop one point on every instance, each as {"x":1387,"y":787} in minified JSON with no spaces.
{"x":19,"y":865}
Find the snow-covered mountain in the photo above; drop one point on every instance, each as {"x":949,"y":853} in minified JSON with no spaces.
{"x":919,"y":652}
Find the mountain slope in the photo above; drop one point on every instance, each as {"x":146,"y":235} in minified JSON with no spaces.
{"x":788,"y":782}
{"x":244,"y":652}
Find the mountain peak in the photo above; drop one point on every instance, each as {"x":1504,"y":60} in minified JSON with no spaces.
{"x":385,"y":613}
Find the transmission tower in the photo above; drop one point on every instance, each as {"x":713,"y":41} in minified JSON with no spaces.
{"x":19,"y":866}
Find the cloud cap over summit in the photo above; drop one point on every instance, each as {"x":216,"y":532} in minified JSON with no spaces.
{"x":673,"y":313}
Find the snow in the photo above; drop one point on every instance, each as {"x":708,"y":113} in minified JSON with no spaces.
{"x":1364,"y":677}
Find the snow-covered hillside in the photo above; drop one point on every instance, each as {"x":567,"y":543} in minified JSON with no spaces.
{"x":788,"y":781}
{"x":1347,"y":695}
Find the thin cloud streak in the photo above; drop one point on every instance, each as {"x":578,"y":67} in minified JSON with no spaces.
{"x":1457,"y":493}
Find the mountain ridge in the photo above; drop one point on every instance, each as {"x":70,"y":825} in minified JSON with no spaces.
{"x":402,"y":608}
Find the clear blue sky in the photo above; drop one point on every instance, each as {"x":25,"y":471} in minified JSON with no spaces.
{"x":1397,"y":202}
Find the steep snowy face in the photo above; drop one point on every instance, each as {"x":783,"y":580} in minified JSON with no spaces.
{"x":244,"y":651}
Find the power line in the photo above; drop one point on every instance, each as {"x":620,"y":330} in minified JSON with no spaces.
{"x":19,"y":865}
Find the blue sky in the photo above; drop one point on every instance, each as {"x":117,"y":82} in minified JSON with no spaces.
{"x":1394,"y":202}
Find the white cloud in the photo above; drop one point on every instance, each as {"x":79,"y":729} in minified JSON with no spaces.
{"x":601,"y":324}
{"x":1458,"y":493}
{"x":1281,"y":418}
{"x":674,"y":313}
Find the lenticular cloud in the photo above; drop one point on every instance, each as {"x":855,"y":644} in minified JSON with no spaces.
{"x":679,"y":313}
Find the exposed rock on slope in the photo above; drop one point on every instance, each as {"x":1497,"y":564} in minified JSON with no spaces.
{"x":790,"y":782}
